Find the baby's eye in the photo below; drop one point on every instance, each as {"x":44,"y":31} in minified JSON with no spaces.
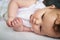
{"x":40,"y":28}
{"x":43,"y":16}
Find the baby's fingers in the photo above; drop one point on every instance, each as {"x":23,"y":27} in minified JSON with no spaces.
{"x":36,"y":21}
{"x":19,"y":20}
{"x":13,"y":23}
{"x":31,"y":18}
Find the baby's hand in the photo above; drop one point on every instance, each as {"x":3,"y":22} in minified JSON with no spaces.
{"x":35,"y":19}
{"x":17,"y":24}
{"x":9,"y":22}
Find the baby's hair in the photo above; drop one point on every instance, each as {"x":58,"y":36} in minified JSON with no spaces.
{"x":52,"y":2}
{"x":56,"y":25}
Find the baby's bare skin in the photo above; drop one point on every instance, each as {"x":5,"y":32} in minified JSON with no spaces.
{"x":44,"y":26}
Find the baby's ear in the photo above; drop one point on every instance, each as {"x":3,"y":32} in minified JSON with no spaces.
{"x":52,"y":6}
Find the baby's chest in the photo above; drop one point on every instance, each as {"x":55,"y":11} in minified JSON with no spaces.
{"x":25,"y":13}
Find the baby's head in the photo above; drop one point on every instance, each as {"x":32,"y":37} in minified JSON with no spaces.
{"x":51,"y":24}
{"x":56,"y":3}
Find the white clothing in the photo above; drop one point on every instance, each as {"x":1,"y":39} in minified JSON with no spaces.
{"x":25,"y":13}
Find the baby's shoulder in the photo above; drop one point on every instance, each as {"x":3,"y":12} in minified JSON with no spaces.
{"x":41,"y":11}
{"x":25,"y":2}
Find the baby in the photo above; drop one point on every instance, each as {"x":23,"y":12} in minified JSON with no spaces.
{"x":45,"y":21}
{"x":22,"y":9}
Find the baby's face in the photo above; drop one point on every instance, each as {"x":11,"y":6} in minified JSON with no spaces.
{"x":47,"y":24}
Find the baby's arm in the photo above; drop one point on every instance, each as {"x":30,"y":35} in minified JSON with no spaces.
{"x":15,"y":4}
{"x":12,"y":12}
{"x":13,"y":8}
